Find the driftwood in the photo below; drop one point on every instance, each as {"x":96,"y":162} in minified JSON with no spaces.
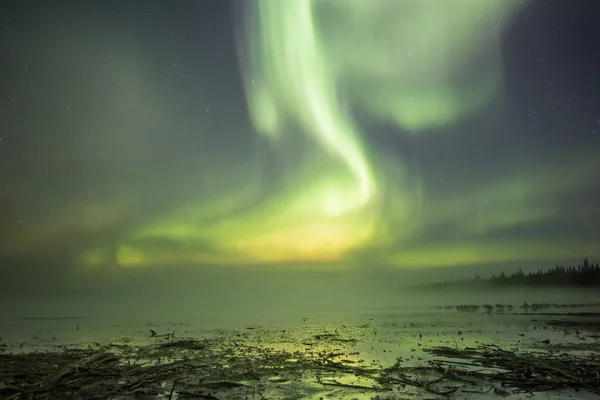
{"x":218,"y":368}
{"x":525,"y":371}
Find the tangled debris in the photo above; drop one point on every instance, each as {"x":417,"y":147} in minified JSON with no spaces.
{"x":526,"y":371}
{"x":220,"y":369}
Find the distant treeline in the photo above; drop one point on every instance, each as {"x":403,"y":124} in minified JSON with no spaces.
{"x":582,"y":275}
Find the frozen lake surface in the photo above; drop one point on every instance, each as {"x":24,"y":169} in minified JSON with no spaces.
{"x":370,"y":339}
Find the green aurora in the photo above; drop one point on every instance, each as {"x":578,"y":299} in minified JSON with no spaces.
{"x":317,"y":74}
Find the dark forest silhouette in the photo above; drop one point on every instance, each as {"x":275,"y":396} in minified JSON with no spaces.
{"x":582,"y":275}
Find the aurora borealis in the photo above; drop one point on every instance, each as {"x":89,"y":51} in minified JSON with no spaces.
{"x":299,"y":134}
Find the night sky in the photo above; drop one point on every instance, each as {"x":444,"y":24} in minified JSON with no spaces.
{"x":291,"y":134}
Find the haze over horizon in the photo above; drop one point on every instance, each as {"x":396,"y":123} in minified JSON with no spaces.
{"x":225,"y":145}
